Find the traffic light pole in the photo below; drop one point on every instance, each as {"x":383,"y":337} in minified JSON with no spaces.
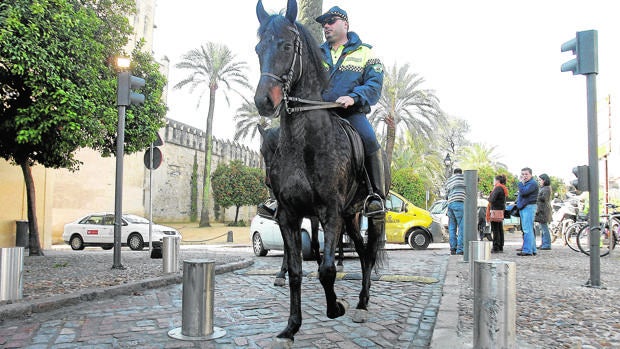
{"x":595,"y":232}
{"x":118,"y":187}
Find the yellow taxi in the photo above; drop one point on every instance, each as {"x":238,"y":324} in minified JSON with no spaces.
{"x":405,"y":223}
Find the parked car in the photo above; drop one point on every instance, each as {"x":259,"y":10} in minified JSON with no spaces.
{"x":405,"y":224}
{"x":439,"y":212}
{"x":97,"y":229}
{"x":265,"y":234}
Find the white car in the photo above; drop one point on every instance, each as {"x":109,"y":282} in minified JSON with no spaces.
{"x":97,"y":229}
{"x":265,"y":235}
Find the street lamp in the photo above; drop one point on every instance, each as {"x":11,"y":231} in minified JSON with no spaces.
{"x":447,"y":161}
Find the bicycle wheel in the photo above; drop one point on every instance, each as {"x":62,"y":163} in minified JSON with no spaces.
{"x":570,"y":235}
{"x":606,"y":240}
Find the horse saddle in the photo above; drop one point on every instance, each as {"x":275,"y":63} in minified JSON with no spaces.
{"x":357,"y":147}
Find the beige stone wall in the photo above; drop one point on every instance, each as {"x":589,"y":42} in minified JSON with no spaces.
{"x":64,"y":196}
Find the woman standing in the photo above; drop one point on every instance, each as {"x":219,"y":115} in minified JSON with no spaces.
{"x":497,"y":201}
{"x":543,"y":210}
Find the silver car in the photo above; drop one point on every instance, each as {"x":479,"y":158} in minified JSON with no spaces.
{"x":265,"y":235}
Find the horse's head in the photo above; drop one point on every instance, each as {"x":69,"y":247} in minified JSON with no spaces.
{"x":278,"y":48}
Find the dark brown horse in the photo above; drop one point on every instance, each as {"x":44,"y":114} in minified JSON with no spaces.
{"x":316,"y":171}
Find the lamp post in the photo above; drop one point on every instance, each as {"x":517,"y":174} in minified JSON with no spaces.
{"x":447,"y":161}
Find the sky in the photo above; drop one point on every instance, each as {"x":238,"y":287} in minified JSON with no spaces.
{"x":495,"y":64}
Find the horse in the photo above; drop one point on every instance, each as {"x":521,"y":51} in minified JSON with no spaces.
{"x":317,"y":169}
{"x":267,"y":149}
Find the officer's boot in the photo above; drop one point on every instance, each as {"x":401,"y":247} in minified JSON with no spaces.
{"x":375,"y":203}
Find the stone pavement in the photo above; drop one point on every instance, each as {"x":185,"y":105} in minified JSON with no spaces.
{"x":411,"y":310}
{"x":251,"y":310}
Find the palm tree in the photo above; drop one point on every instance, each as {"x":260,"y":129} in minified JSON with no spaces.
{"x":405,"y":108}
{"x":211,"y":65}
{"x":479,"y":155}
{"x":308,"y":11}
{"x":247,"y":120}
{"x":423,"y":157}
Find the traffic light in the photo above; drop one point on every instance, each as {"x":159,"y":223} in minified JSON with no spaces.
{"x":126,"y":84}
{"x":585,"y":49}
{"x":582,"y":182}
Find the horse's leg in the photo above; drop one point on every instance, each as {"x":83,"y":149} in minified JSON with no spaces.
{"x":327,"y":269}
{"x":280,"y":279}
{"x":374,"y":252}
{"x":290,"y":226}
{"x":314,"y":241}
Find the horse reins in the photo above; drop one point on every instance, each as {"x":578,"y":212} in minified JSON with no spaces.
{"x":287,"y":82}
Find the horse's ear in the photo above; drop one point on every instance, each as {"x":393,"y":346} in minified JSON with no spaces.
{"x":291,"y":11}
{"x":261,"y":13}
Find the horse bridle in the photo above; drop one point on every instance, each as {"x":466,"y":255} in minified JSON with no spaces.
{"x":287,"y":81}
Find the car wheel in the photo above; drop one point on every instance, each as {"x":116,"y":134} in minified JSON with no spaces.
{"x":135,"y":242}
{"x":419,"y":239}
{"x":77,"y":243}
{"x":306,"y":247}
{"x":257,"y":245}
{"x":107,"y":247}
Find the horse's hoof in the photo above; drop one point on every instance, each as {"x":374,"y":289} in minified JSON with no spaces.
{"x":359,"y":315}
{"x":282,"y":343}
{"x":279,"y":282}
{"x":343,"y":306}
{"x":339,"y":268}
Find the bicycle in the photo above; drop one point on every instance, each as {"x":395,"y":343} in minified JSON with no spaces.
{"x":609,"y":226}
{"x":571,"y":233}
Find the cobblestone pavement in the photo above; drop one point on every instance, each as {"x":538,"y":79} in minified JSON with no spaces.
{"x":252,"y":311}
{"x":554,"y":308}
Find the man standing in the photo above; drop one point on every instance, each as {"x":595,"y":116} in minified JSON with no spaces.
{"x":355,"y":82}
{"x":526,"y":203}
{"x":455,"y":187}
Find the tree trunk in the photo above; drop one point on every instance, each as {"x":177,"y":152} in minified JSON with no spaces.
{"x":206,"y":189}
{"x":308,"y":11}
{"x":237,"y":214}
{"x":390,"y":138}
{"x":33,"y":226}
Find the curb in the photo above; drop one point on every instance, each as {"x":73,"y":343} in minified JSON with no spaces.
{"x":445,"y":334}
{"x":26,"y":308}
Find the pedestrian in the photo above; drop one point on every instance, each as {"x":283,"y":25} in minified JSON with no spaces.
{"x":526,"y":203}
{"x":497,"y":201}
{"x":355,"y":82}
{"x":543,"y":210}
{"x":455,"y":189}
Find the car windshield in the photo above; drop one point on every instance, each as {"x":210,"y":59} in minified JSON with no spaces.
{"x":133,"y":219}
{"x":438,"y":207}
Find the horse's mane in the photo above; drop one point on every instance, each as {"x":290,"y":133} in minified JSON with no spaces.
{"x":313,"y":50}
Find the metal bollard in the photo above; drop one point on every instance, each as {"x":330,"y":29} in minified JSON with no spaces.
{"x":170,"y":254}
{"x":11,"y":273}
{"x":197,"y":308}
{"x":495,"y":305}
{"x":478,"y":251}
{"x":229,"y":238}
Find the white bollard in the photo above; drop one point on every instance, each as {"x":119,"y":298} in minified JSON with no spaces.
{"x":11,"y":273}
{"x":197,"y":308}
{"x":478,"y":251}
{"x":495,"y":305}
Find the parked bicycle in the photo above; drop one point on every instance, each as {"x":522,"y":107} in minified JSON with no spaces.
{"x":572,"y":231}
{"x":609,"y":225}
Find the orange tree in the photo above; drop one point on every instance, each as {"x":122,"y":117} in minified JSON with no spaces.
{"x":58,"y":86}
{"x":235,"y":184}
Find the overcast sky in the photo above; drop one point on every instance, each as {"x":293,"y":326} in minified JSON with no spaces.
{"x":495,"y":64}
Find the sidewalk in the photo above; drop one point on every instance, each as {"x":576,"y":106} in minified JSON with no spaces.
{"x":554,"y":309}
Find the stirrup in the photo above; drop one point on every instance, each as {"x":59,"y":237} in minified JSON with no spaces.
{"x":373,"y":213}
